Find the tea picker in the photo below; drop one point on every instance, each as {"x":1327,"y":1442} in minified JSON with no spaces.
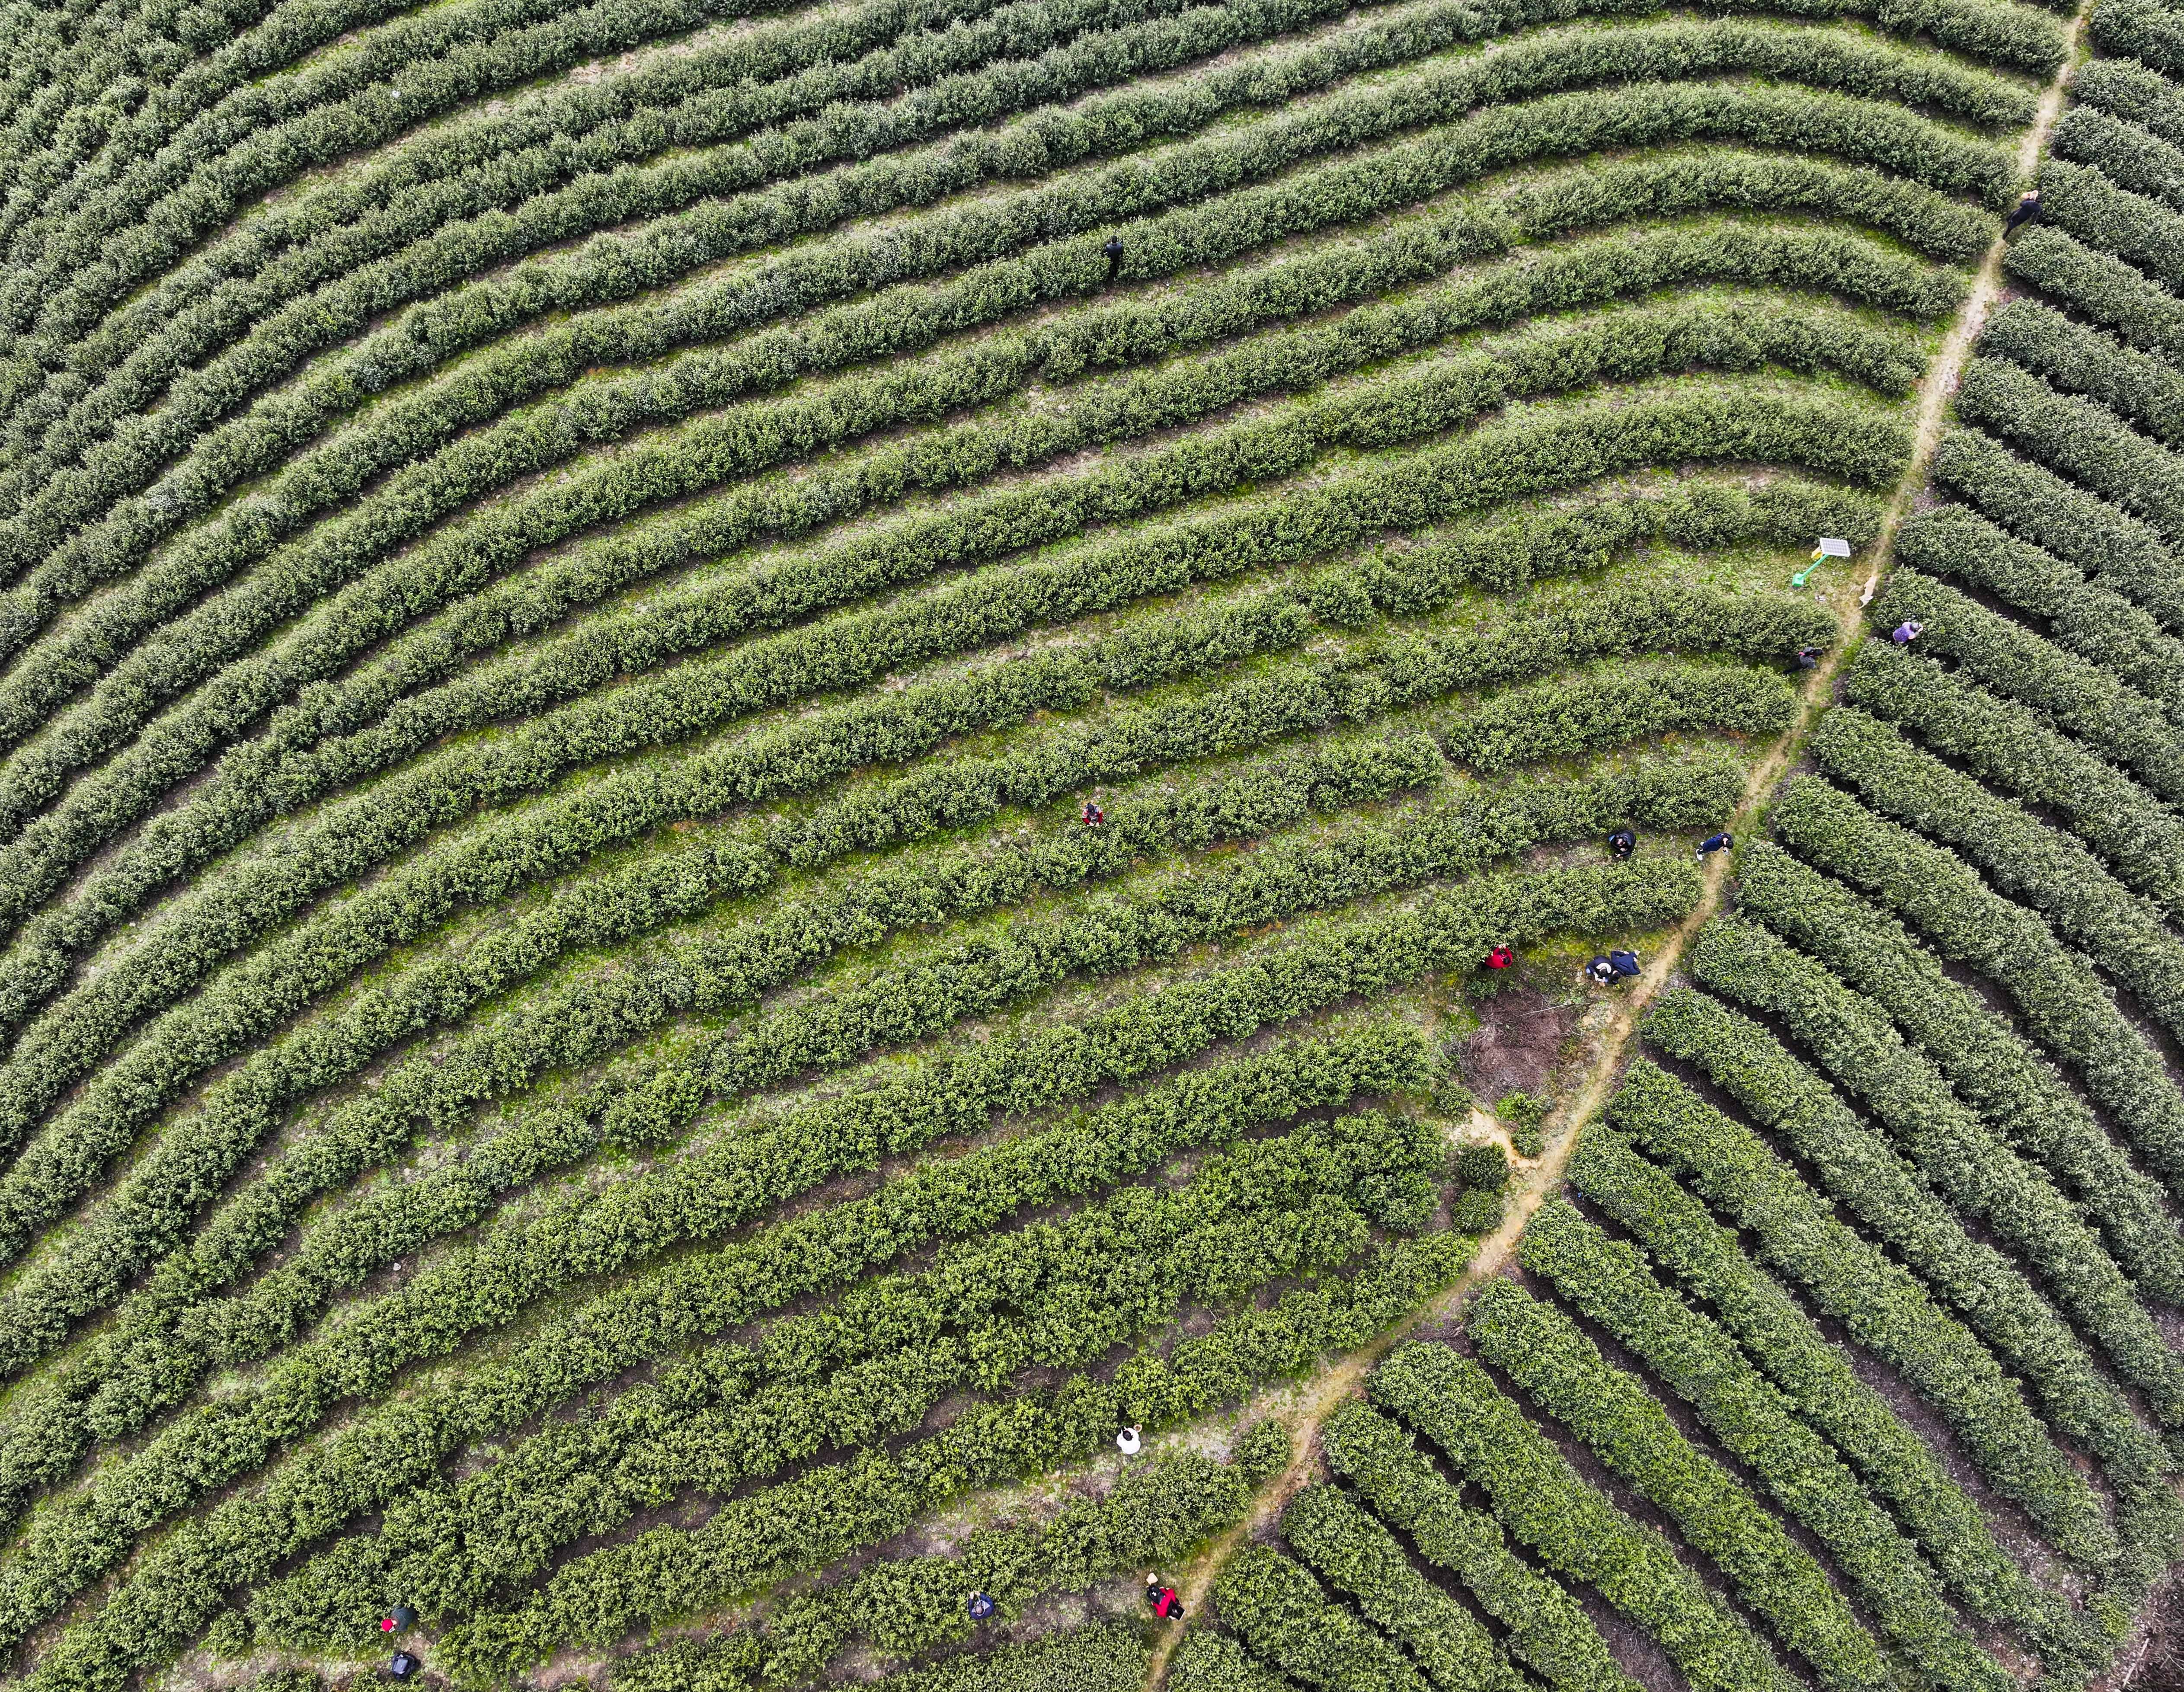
{"x":1113,"y":249}
{"x":1618,"y":966}
{"x":1830,"y":546}
{"x":1622,"y":843}
{"x":1128,"y":1442}
{"x":400,"y":1622}
{"x":1500,"y":958}
{"x":979,"y":1607}
{"x":1165,"y":1604}
{"x":1904,"y":633}
{"x":2028,"y":211}
{"x":1716,"y":843}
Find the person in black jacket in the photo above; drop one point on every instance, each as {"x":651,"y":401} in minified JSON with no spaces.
{"x":1113,"y":249}
{"x":1623,"y":842}
{"x":2028,"y":211}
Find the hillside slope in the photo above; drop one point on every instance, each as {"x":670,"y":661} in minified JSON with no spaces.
{"x":756,"y":768}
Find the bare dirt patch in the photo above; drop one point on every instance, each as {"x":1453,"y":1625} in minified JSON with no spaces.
{"x":2154,"y":1661}
{"x":1521,"y":1035}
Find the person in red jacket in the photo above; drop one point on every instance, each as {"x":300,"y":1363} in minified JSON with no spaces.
{"x":1165,"y":1604}
{"x":1500,"y":958}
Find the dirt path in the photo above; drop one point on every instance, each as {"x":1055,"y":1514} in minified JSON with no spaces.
{"x":1304,"y":1411}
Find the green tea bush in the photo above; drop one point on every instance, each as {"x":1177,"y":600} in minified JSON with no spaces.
{"x":1262,"y":1451}
{"x":2092,"y":621}
{"x":2111,"y":548}
{"x":2142,"y":389}
{"x":872,"y":1364}
{"x":2065,"y":1004}
{"x":751,"y":761}
{"x":1981,"y":1177}
{"x":1561,"y":1371}
{"x":2006,"y":745}
{"x":1882,"y":1304}
{"x":1284,"y":1617}
{"x":2023,"y":1100}
{"x":683,"y":1298}
{"x":2106,"y":289}
{"x":1609,"y":1282}
{"x":1540,"y":1499}
{"x":1880,"y":1188}
{"x":1786,"y":1343}
{"x":1353,"y":1554}
{"x":1547,"y":1629}
{"x":2021,"y":856}
{"x":2084,"y":699}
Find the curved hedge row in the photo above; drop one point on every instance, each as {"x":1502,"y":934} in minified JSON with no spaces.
{"x":1981,"y":1178}
{"x":2065,"y":1007}
{"x":759,"y":436}
{"x":872,"y":1364}
{"x":2022,"y":857}
{"x":167,"y":1336}
{"x":184,"y":653}
{"x":741,"y":751}
{"x":667,"y":1571}
{"x":68,"y":1155}
{"x":1787,"y":1343}
{"x":2022,"y":1099}
{"x":1608,"y":1282}
{"x":1154,"y":1514}
{"x":1569,"y":1525}
{"x":2110,"y":547}
{"x":615,"y":268}
{"x":1882,"y":1190}
{"x":656,"y":1214}
{"x":2002,"y":743}
{"x":438,"y":258}
{"x":1286,"y":1618}
{"x":1352,"y":1553}
{"x":2142,"y":389}
{"x":1882,"y":1304}
{"x":2089,"y":621}
{"x":1547,"y":1629}
{"x":1555,"y":451}
{"x":1617,"y":1419}
{"x":683,"y":1297}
